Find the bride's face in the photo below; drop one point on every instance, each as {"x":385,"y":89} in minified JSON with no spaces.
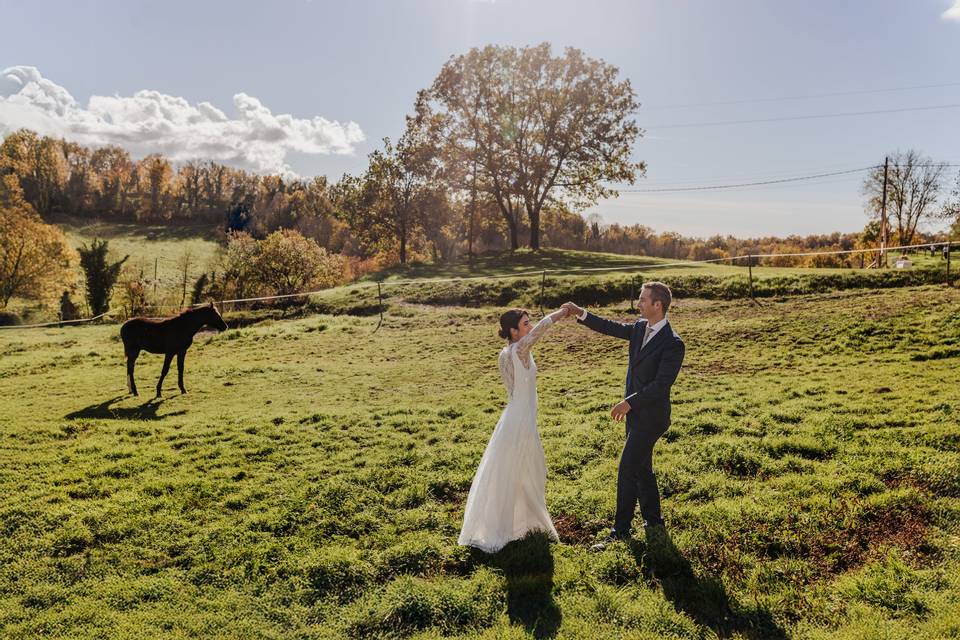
{"x":523,"y":328}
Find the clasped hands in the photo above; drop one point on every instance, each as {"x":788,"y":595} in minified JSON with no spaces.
{"x":622,"y":408}
{"x":572,"y":309}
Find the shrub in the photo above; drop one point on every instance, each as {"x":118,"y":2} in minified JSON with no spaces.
{"x":101,"y":274}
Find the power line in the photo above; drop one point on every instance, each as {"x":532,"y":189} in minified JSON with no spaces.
{"x":818,"y":116}
{"x":831,"y":94}
{"x":757,"y":183}
{"x":749,"y":184}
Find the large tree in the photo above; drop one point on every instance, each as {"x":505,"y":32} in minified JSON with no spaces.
{"x":913,"y":187}
{"x":527,"y":127}
{"x":388,"y":203}
{"x":40,"y":165}
{"x":35,"y":258}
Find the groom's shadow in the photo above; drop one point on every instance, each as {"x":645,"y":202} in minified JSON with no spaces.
{"x":703,"y":598}
{"x":527,"y":564}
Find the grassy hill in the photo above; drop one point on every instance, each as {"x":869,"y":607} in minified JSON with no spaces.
{"x":497,"y":278}
{"x":150,"y":247}
{"x":311,"y":483}
{"x":517,"y":278}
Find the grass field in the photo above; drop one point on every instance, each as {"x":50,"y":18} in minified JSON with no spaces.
{"x":311,"y":483}
{"x":149,"y":247}
{"x":152,"y":249}
{"x":565,"y":261}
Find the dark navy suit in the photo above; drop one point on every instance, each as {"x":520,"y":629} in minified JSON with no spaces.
{"x":650,"y":374}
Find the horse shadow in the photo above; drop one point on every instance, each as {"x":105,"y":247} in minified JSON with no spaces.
{"x":104,"y":411}
{"x":703,"y":598}
{"x":528,"y":566}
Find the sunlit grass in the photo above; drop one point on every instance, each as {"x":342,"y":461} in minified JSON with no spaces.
{"x":311,"y":483}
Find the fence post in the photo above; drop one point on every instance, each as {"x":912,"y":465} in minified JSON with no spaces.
{"x":543,"y":282}
{"x":750,"y":271}
{"x":633,"y":282}
{"x":949,"y":284}
{"x":379,"y":305}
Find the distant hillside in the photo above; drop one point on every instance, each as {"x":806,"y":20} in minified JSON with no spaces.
{"x":149,"y":246}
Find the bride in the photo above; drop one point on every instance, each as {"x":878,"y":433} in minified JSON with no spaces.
{"x":507,"y":496}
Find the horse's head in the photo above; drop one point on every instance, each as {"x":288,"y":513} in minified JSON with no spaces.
{"x":212,"y":317}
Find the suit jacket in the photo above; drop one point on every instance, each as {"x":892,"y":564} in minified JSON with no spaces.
{"x":651,"y":370}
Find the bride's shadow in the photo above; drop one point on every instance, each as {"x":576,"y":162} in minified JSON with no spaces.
{"x":527,"y":564}
{"x":703,"y":598}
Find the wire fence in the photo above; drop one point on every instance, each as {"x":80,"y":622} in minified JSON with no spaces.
{"x":945,"y":247}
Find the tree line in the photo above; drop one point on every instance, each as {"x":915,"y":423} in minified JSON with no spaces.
{"x":506,"y":148}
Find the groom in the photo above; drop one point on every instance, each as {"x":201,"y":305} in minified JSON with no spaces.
{"x":656,"y":353}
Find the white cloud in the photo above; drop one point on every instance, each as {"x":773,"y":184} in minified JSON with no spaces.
{"x":953,"y":13}
{"x":152,"y":122}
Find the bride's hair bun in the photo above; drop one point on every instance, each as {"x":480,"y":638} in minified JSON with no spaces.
{"x":511,"y":320}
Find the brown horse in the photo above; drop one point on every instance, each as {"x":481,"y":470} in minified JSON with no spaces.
{"x":171,"y":337}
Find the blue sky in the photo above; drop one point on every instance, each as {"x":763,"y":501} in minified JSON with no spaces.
{"x":334,"y":78}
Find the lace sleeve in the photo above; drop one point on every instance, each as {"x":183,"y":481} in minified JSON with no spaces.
{"x":526,"y":342}
{"x":506,"y":371}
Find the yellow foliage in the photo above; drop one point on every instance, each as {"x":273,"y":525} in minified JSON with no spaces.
{"x":35,"y":259}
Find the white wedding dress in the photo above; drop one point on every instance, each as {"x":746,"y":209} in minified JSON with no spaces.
{"x":507,"y":496}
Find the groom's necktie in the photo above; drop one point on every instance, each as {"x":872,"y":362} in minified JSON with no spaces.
{"x":646,"y":336}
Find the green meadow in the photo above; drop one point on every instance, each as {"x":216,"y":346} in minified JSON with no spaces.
{"x":154,"y":252}
{"x":311,"y":482}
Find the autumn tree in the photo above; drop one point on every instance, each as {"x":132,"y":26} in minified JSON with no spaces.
{"x":117,"y":180}
{"x":35,"y":259}
{"x":392,"y":187}
{"x":385,"y":206}
{"x":527,"y":127}
{"x":82,"y":184}
{"x":155,"y":181}
{"x":39,"y":164}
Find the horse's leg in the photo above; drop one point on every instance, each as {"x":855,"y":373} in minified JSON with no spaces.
{"x":180,"y":357}
{"x":163,"y":373}
{"x":131,"y":362}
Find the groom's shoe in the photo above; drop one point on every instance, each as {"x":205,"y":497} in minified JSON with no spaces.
{"x":613,"y":536}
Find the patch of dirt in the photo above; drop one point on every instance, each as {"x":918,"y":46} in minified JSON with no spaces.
{"x":573,"y":530}
{"x":847,"y":538}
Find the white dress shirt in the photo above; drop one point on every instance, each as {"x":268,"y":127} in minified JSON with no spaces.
{"x":654,"y":328}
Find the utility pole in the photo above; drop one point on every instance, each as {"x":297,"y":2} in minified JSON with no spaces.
{"x":883,"y":216}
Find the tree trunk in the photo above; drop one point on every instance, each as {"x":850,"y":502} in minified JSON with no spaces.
{"x":534,"y":229}
{"x":514,"y":237}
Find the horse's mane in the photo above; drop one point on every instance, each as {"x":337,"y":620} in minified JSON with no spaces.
{"x":190,"y":310}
